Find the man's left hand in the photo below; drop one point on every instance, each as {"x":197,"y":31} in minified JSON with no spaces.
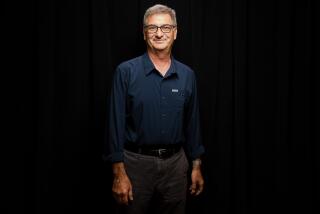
{"x":197,"y":181}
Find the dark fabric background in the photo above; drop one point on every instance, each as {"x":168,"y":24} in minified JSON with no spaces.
{"x":257,"y":69}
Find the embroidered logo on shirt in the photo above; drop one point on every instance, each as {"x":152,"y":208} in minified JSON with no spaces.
{"x":175,"y":90}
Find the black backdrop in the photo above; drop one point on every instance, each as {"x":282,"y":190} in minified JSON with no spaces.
{"x":257,"y":74}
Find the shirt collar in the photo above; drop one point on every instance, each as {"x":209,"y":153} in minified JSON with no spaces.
{"x":149,"y":67}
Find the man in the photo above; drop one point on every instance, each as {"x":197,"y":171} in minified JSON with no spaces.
{"x":154,"y":119}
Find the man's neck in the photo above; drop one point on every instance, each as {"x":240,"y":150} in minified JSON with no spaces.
{"x":159,"y":57}
{"x":161,"y":60}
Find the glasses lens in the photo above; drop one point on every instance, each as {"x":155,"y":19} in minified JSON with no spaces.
{"x":166,"y":28}
{"x":152,"y":29}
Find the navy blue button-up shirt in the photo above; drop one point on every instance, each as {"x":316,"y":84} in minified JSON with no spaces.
{"x":147,"y":108}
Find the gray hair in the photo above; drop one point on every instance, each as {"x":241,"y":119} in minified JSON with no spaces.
{"x":160,"y":9}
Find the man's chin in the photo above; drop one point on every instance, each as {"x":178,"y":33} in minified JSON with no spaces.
{"x":160,"y":47}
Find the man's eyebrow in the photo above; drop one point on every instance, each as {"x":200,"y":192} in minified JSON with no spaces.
{"x":157,"y":25}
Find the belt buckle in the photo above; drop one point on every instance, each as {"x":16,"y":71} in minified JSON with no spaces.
{"x":161,"y":153}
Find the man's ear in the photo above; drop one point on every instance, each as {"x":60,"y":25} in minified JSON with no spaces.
{"x":144,"y":34}
{"x":175,"y":33}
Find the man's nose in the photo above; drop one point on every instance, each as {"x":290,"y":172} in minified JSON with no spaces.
{"x":159,"y":32}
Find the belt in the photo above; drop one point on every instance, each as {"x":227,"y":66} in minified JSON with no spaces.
{"x":161,"y":151}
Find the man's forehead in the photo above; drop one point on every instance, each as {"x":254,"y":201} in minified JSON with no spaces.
{"x":159,"y":18}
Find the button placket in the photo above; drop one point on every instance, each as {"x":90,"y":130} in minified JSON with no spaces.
{"x":163,"y":104}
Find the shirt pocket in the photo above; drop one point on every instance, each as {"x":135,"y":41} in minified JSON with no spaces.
{"x":179,"y":102}
{"x":179,"y":99}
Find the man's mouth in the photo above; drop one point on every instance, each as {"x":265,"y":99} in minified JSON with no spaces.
{"x":158,"y":41}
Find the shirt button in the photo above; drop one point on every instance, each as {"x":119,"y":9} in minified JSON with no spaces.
{"x":163,"y":115}
{"x":163,"y":97}
{"x":162,"y":132}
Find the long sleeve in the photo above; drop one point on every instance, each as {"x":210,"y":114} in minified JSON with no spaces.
{"x":117,"y":117}
{"x":192,"y":124}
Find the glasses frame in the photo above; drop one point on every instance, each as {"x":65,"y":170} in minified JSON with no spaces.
{"x":165,"y":25}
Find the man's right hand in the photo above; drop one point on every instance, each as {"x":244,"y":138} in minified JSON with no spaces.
{"x":121,"y":188}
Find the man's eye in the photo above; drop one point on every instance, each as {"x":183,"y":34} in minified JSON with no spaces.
{"x":166,"y":28}
{"x":152,"y":28}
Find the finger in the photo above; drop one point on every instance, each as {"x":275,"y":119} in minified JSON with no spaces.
{"x":198,"y":192}
{"x":121,"y":198}
{"x":124,"y":199}
{"x":116,"y":197}
{"x":130,"y":195}
{"x":193,"y":188}
{"x":199,"y":189}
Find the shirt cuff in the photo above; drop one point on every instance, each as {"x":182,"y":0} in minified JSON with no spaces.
{"x":196,"y":154}
{"x":114,"y":157}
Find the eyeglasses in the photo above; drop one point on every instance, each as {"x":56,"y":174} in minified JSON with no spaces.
{"x":154,"y":28}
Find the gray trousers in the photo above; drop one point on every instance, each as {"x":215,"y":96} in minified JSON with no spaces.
{"x":159,"y":185}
